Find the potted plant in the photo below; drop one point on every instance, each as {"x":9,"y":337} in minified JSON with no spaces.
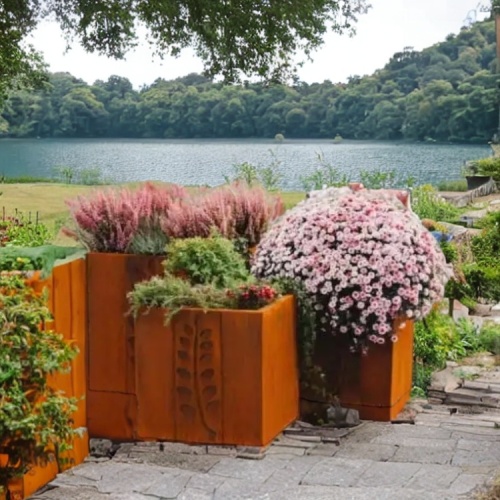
{"x":127,"y":233}
{"x":215,"y":354}
{"x":36,"y":420}
{"x":370,"y":268}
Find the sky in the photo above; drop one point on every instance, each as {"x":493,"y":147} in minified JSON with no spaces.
{"x":387,"y":28}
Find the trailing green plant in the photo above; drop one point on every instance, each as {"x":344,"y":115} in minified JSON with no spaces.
{"x":35,"y":420}
{"x":427,"y":204}
{"x":172,"y":293}
{"x":204,"y":261}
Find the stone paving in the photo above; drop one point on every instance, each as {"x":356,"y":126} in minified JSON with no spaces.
{"x":442,"y":456}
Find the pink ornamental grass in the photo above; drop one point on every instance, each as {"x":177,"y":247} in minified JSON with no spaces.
{"x":362,"y":257}
{"x":109,"y":220}
{"x":241,"y":211}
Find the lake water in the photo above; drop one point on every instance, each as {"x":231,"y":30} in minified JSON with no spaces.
{"x":196,"y":161}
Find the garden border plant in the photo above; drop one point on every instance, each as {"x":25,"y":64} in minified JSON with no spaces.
{"x":35,"y":419}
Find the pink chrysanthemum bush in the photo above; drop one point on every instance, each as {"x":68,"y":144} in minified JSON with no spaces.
{"x":362,"y":257}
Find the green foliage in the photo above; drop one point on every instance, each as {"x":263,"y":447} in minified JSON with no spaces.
{"x":173,"y":293}
{"x":489,"y":338}
{"x":489,"y":167}
{"x":230,"y":40}
{"x":21,"y":231}
{"x":33,"y":417}
{"x":456,"y":186}
{"x":377,"y":179}
{"x":40,"y":258}
{"x":483,"y":281}
{"x":447,"y":92}
{"x":279,"y":137}
{"x":486,"y":246}
{"x":206,"y":261}
{"x":269,"y":176}
{"x":422,"y":375}
{"x":427,"y":204}
{"x":84,"y":176}
{"x":325,"y":175}
{"x":25,"y":179}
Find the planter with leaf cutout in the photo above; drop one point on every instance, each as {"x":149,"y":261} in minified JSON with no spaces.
{"x":215,"y":377}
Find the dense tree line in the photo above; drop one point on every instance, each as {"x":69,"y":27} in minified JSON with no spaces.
{"x":447,"y":92}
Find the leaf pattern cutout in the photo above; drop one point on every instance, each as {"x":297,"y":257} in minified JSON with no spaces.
{"x":185,"y":372}
{"x":197,"y":376}
{"x":206,"y":389}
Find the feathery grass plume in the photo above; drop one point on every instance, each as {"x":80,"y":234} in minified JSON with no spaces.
{"x":242,"y":211}
{"x":115,"y":220}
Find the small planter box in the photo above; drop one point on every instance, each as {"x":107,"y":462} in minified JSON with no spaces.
{"x":110,"y":334}
{"x":379,"y":384}
{"x":216,"y":377}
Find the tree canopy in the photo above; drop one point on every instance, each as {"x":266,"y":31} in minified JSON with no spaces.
{"x":447,"y":92}
{"x":232,"y":37}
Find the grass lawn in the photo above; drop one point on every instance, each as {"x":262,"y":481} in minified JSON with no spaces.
{"x":49,"y":200}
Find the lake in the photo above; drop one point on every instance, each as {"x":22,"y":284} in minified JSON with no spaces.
{"x":198,"y":161}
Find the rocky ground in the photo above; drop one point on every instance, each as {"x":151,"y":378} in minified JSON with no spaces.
{"x":446,"y":452}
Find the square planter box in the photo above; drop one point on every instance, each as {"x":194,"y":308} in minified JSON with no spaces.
{"x":378,"y":384}
{"x":216,"y":377}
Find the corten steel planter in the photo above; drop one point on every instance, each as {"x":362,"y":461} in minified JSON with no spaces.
{"x":216,"y":377}
{"x":66,"y":288}
{"x":378,"y":384}
{"x":110,"y":333}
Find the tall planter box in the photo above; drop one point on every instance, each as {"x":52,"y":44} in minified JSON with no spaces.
{"x":216,"y":377}
{"x":110,"y":337}
{"x":66,"y":287}
{"x":378,"y":384}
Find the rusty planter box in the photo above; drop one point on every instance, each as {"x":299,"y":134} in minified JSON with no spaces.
{"x":216,"y":377}
{"x":378,"y":384}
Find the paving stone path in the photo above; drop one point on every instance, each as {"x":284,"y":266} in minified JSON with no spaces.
{"x":442,"y":456}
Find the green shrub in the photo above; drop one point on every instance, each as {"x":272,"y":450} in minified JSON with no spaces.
{"x":489,"y":338}
{"x":427,"y":204}
{"x":486,"y":246}
{"x":483,"y":281}
{"x":204,"y":261}
{"x":488,"y":166}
